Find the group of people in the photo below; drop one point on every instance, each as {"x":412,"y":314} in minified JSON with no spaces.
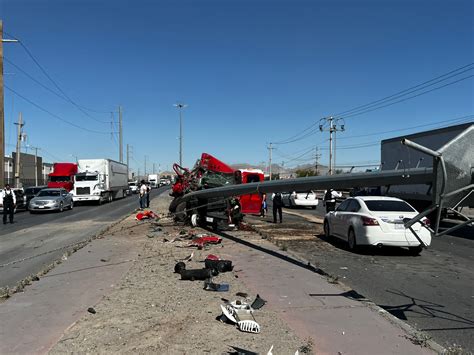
{"x":330,"y":196}
{"x":144,"y":195}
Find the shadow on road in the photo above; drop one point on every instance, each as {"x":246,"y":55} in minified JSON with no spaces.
{"x":366,"y":250}
{"x":426,"y":309}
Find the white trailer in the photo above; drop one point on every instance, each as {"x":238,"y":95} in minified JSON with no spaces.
{"x":100,"y":180}
{"x":153,"y":180}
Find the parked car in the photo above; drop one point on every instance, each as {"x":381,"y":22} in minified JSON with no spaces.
{"x":51,"y":200}
{"x":31,"y":192}
{"x":133,"y":187}
{"x":304,"y":199}
{"x":378,"y":221}
{"x":20,"y":199}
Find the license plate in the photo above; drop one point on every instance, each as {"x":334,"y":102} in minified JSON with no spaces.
{"x":209,"y":219}
{"x":40,"y":206}
{"x":399,"y":226}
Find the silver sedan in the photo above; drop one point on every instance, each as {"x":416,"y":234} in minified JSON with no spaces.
{"x":51,"y":200}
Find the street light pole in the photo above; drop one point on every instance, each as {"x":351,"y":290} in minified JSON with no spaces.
{"x":180,"y":107}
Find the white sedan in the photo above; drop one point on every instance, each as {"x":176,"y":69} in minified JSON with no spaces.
{"x":303,"y":199}
{"x":376,"y":220}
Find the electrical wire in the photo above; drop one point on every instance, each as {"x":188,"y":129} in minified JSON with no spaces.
{"x":79,"y":107}
{"x":52,"y":114}
{"x":408,"y":91}
{"x":458,"y":120}
{"x":44,"y":86}
{"x":295,"y":137}
{"x":407,"y":98}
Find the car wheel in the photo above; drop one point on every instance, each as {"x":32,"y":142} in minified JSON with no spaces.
{"x":415,"y":250}
{"x":71,"y":206}
{"x":351,"y":240}
{"x":327,"y":231}
{"x":61,"y":207}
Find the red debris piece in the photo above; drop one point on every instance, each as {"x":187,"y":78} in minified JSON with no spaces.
{"x":207,"y":239}
{"x":213,"y":257}
{"x":145,"y":215}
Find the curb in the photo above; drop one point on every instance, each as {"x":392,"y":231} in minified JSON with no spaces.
{"x":414,"y":335}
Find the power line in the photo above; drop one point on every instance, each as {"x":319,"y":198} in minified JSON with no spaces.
{"x":295,"y":137}
{"x":52,"y":114}
{"x":459,"y":120}
{"x":407,"y":91}
{"x":408,"y":98}
{"x":45,"y":87}
{"x":79,"y":107}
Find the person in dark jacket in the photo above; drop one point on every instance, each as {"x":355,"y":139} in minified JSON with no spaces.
{"x":9,"y":202}
{"x":277,"y":207}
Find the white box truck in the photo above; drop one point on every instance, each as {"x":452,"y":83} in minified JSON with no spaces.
{"x":153,"y":180}
{"x":100,"y":180}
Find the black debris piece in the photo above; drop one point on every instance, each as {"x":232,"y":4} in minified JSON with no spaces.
{"x":258,"y":302}
{"x":211,"y":286}
{"x":179,"y":267}
{"x":242,"y":294}
{"x":219,"y":265}
{"x":91,"y":310}
{"x":196,"y":274}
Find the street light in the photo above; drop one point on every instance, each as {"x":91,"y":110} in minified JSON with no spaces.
{"x":180,"y":107}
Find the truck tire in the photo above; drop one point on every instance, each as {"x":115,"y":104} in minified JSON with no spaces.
{"x":180,"y":215}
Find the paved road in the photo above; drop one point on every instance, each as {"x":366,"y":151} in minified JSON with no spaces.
{"x":36,"y":234}
{"x":434,"y":291}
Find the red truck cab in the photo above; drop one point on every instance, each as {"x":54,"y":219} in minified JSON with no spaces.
{"x":252,"y":203}
{"x":63,"y":176}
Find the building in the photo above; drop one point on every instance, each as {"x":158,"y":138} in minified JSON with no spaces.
{"x":28,"y":164}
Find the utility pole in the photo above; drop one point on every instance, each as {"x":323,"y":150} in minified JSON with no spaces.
{"x":2,"y":109}
{"x":333,"y":127}
{"x":270,"y":149}
{"x":120,"y":135}
{"x":316,"y":158}
{"x":18,"y":150}
{"x":128,"y":161}
{"x":153,"y":168}
{"x":180,"y":107}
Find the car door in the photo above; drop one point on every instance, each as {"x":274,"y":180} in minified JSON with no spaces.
{"x":337,"y":219}
{"x":350,"y":216}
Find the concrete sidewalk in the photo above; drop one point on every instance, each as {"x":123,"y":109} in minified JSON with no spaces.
{"x":336,"y":320}
{"x":38,"y":317}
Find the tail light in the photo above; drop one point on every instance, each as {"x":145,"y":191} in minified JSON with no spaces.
{"x":367,"y":221}
{"x":426,"y":222}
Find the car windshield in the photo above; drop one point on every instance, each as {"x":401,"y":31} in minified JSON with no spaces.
{"x":389,"y":206}
{"x":59,"y":178}
{"x":49,"y":193}
{"x":132,"y":184}
{"x":86,"y":177}
{"x":32,"y":191}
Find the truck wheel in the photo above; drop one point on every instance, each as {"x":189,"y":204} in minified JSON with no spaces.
{"x":180,"y":215}
{"x":111,"y":198}
{"x":195,"y":220}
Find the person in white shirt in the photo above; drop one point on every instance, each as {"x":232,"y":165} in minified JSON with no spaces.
{"x":143,"y":194}
{"x":8,"y":200}
{"x":330,"y":196}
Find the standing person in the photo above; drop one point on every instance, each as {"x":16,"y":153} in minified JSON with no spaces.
{"x":264,"y":207}
{"x":142,"y":194}
{"x":330,"y":199}
{"x":148,"y":190}
{"x":277,"y":205}
{"x":9,"y":203}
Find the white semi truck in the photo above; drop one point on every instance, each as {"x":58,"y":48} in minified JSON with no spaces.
{"x":100,"y":180}
{"x":153,"y":180}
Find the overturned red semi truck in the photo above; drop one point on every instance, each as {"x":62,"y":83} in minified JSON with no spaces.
{"x":210,"y":172}
{"x":63,"y":176}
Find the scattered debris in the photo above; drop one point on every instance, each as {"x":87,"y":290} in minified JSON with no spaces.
{"x":258,"y":302}
{"x":211,"y":286}
{"x":145,"y":215}
{"x":188,"y":258}
{"x":242,"y":294}
{"x":91,"y":310}
{"x":179,"y":267}
{"x":196,"y":274}
{"x":218,"y":265}
{"x":344,"y":268}
{"x":105,"y":260}
{"x":200,"y":242}
{"x":35,"y":278}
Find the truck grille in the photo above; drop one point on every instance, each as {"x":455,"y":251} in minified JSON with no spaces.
{"x":83,"y":190}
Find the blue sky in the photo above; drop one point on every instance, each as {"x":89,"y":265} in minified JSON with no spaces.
{"x":252,"y":72}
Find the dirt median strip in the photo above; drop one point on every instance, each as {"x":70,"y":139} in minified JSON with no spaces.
{"x":152,"y":310}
